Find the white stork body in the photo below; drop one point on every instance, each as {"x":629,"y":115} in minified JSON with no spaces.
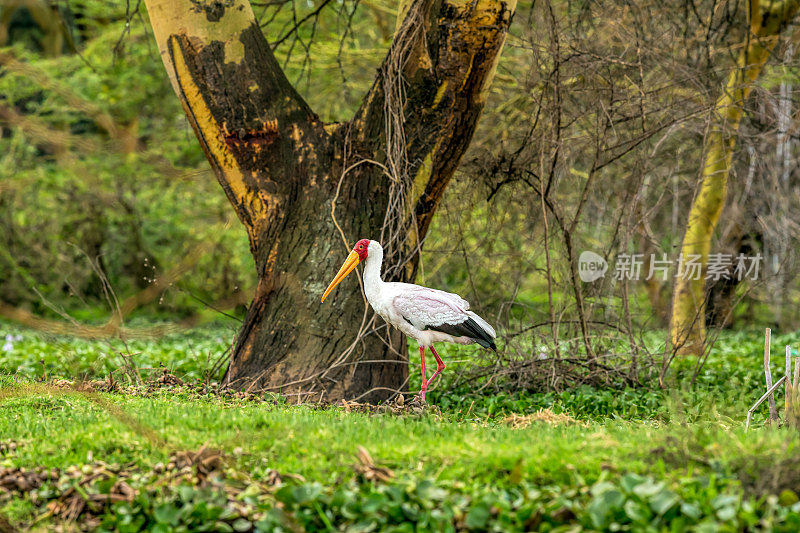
{"x":427,"y":315}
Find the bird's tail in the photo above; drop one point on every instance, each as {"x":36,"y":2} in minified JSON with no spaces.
{"x":486,"y":334}
{"x":483,"y":324}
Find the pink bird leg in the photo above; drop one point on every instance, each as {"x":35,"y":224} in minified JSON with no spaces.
{"x":424,"y":386}
{"x":439,"y":367}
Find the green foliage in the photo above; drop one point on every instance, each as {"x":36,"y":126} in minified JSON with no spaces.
{"x":448,"y":475}
{"x":37,"y":355}
{"x":583,"y":401}
{"x":735,"y":363}
{"x":181,"y":508}
{"x":627,"y":502}
{"x":107,"y":192}
{"x":638,"y":459}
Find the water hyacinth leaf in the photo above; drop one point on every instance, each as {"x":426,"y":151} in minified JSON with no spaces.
{"x":242,"y":524}
{"x":692,"y":510}
{"x":631,"y":481}
{"x":636,"y":511}
{"x":787,"y":497}
{"x":167,"y":513}
{"x":662,"y":502}
{"x":647,"y":489}
{"x":724,"y":500}
{"x":478,"y":516}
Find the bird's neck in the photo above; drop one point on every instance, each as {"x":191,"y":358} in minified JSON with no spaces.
{"x":372,"y":276}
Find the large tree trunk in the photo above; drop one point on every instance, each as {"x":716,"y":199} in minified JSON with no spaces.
{"x":285,"y":172}
{"x":687,"y":324}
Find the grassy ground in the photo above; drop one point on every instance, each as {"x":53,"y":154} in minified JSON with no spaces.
{"x":168,"y":457}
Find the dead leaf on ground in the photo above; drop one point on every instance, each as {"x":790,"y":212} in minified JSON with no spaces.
{"x":8,"y":447}
{"x":275,"y":478}
{"x":367,"y":469}
{"x":204,"y":461}
{"x":18,"y":479}
{"x":546,"y":415}
{"x":78,"y":502}
{"x":169,"y":379}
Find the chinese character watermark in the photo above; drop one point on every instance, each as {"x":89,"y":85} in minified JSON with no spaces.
{"x":633,"y":267}
{"x":628,"y":266}
{"x":659,"y":265}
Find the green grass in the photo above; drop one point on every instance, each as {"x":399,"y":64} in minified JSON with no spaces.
{"x":637,"y":459}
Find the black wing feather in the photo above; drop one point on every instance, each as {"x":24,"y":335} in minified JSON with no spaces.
{"x":468,"y":328}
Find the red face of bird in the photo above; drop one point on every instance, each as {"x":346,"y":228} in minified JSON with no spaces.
{"x":358,"y":254}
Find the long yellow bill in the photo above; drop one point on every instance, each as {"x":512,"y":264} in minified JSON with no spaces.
{"x":348,"y":266}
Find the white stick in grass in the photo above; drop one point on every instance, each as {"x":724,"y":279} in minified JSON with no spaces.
{"x":773,"y":412}
{"x":796,"y":371}
{"x":787,"y":399}
{"x":766,"y":395}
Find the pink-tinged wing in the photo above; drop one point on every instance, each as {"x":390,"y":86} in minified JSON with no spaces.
{"x":426,"y":308}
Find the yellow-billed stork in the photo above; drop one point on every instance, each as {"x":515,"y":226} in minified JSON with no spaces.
{"x":427,"y":315}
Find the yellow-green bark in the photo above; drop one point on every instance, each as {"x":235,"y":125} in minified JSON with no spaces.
{"x":172,"y":23}
{"x":687,"y":324}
